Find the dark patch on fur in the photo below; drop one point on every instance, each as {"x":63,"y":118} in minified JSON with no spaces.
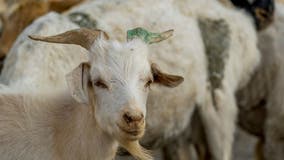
{"x":83,"y":20}
{"x":216,"y":38}
{"x":262,"y":11}
{"x":253,"y":119}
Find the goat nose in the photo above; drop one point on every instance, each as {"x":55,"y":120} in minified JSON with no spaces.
{"x":133,"y":117}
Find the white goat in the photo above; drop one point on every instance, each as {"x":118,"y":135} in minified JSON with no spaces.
{"x":274,"y":130}
{"x":261,"y":101}
{"x":219,"y":118}
{"x":169,"y":111}
{"x":109,"y":106}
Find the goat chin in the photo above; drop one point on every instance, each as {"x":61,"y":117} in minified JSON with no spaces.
{"x":136,"y":150}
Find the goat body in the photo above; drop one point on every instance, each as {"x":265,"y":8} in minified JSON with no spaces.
{"x":50,"y":127}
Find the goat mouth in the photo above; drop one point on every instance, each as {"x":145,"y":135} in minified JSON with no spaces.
{"x":135,"y":133}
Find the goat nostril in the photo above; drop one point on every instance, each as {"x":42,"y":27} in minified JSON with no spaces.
{"x":128,"y":118}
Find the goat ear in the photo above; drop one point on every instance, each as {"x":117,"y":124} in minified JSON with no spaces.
{"x":77,"y":81}
{"x":165,"y":79}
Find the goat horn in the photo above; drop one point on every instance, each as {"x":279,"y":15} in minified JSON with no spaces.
{"x":148,"y":37}
{"x":83,"y":37}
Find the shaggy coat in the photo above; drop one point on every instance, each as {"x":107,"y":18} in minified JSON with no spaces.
{"x":52,"y":128}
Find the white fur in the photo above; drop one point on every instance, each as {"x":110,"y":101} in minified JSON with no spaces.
{"x":33,"y":127}
{"x":125,"y":69}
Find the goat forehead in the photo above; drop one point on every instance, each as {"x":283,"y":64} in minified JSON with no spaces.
{"x":123,"y":60}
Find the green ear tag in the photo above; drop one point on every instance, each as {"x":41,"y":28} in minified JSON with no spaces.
{"x":148,"y":37}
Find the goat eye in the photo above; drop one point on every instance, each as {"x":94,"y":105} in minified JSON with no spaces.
{"x":149,"y":82}
{"x":100,"y":84}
